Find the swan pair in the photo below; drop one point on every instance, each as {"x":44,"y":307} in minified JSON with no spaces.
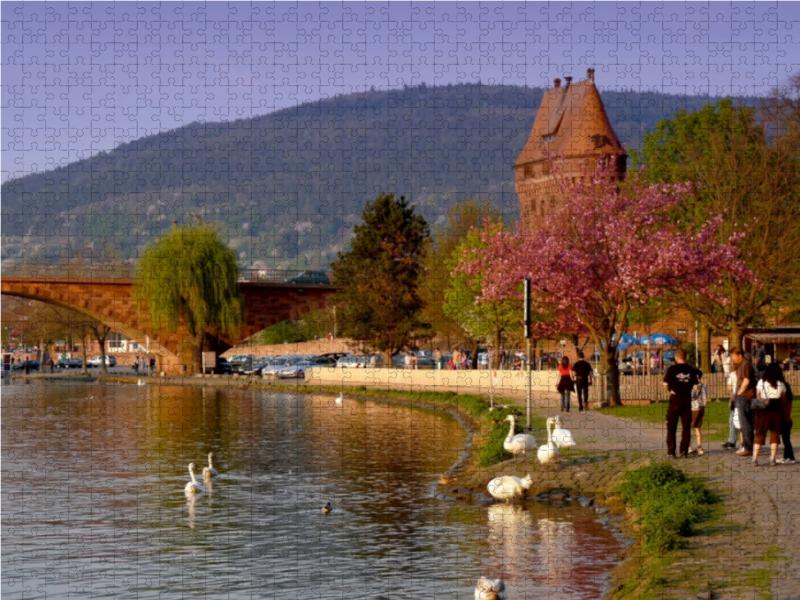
{"x":557,"y":439}
{"x":490,"y":589}
{"x":523,"y":442}
{"x":209,"y":473}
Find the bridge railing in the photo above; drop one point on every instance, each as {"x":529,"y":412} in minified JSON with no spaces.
{"x":127,"y":271}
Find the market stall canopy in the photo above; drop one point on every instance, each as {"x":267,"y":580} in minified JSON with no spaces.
{"x":657,"y":339}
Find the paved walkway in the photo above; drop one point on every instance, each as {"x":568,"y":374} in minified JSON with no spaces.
{"x":764,"y":501}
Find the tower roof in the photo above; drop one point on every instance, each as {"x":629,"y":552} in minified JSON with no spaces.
{"x":571,"y":121}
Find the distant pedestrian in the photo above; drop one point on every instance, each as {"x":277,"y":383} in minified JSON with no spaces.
{"x":464,"y":360}
{"x":565,"y":384}
{"x":152,"y":365}
{"x":456,"y":358}
{"x":772,"y":390}
{"x":52,"y":365}
{"x":27,"y":366}
{"x":582,"y":373}
{"x":699,"y":399}
{"x":503,"y":358}
{"x":733,"y":431}
{"x":679,"y":379}
{"x":136,"y":364}
{"x":437,"y":356}
{"x":746,"y":391}
{"x":759,"y":359}
{"x":786,"y":425}
{"x":407,"y":361}
{"x":414,"y":361}
{"x":718,"y":359}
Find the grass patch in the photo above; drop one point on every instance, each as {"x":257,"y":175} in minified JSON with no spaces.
{"x":715,"y":421}
{"x":670,"y":504}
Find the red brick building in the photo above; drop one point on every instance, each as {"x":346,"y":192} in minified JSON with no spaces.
{"x":571,"y":124}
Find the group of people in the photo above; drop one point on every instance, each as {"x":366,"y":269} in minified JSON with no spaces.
{"x":760,"y":403}
{"x":142,"y":363}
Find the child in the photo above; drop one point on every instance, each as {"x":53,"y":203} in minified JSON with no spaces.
{"x":699,"y":399}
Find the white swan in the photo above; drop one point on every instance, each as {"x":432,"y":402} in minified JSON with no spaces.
{"x":209,"y":471}
{"x":140,"y":382}
{"x":509,"y":487}
{"x":339,"y":398}
{"x":562,"y":437}
{"x":490,"y":589}
{"x":520,"y":443}
{"x":192,"y":487}
{"x":548,"y":454}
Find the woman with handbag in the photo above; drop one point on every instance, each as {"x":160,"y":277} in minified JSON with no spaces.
{"x":768,"y":408}
{"x":565,"y":385}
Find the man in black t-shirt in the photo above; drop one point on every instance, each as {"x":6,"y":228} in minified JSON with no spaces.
{"x":582,"y":373}
{"x":679,"y":379}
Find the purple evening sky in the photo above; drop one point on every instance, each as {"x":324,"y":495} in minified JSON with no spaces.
{"x":79,"y":78}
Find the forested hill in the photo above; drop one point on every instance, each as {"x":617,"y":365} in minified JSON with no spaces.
{"x":289,"y":185}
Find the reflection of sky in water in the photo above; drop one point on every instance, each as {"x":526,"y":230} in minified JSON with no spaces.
{"x":93,"y":501}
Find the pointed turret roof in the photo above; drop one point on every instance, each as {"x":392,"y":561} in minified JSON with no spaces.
{"x":571,"y":122}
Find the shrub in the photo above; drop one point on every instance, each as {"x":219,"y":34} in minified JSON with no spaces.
{"x":669,"y":503}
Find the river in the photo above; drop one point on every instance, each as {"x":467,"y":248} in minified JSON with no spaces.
{"x":93,"y":502}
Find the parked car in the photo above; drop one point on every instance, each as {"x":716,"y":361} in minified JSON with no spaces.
{"x":352,"y":362}
{"x":223,"y":367}
{"x":324,"y":361}
{"x":33,"y":365}
{"x":70,"y":363}
{"x":310,"y":277}
{"x":297,"y":369}
{"x":335,"y":355}
{"x":111,"y":361}
{"x":279,"y":363}
{"x":257,"y":367}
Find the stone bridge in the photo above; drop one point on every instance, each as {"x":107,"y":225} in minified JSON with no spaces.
{"x":111,"y":302}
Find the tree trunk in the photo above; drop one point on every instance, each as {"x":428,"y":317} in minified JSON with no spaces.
{"x":387,"y":359}
{"x":197,"y":354}
{"x":474,"y":361}
{"x":495,"y":363}
{"x":612,"y":377}
{"x":736,"y":338}
{"x":704,"y":339}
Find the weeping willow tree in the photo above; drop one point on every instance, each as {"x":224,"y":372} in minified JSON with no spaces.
{"x":189,"y":277}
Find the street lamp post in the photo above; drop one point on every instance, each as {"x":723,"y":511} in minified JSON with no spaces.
{"x":528,"y":394}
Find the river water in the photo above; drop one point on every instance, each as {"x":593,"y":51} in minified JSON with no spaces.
{"x":93,"y":502}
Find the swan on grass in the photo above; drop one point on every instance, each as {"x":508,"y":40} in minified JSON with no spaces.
{"x":490,"y":589}
{"x":210,"y":472}
{"x":509,"y":487}
{"x":141,"y":382}
{"x":192,"y":487}
{"x":339,"y":398}
{"x":548,"y":454}
{"x":520,"y":443}
{"x":562,"y":437}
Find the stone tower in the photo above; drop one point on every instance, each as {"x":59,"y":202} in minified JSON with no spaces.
{"x":571,"y":124}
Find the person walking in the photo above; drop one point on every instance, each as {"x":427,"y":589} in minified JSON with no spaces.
{"x":437,"y":356}
{"x":136,"y":364}
{"x":773,"y":391}
{"x":582,"y":375}
{"x":679,"y":379}
{"x":733,"y":431}
{"x":456,"y":358}
{"x":152,"y":365}
{"x":565,"y":385}
{"x":786,"y":425}
{"x":414,"y":361}
{"x":407,"y":361}
{"x":759,"y":359}
{"x":52,"y":364}
{"x":699,"y":399}
{"x":717,"y":359}
{"x":746,"y":391}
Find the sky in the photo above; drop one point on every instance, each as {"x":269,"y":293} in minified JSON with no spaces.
{"x":80,"y":78}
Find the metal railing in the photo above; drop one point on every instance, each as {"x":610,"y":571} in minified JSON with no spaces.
{"x":128,"y":271}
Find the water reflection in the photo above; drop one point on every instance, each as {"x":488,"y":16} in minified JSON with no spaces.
{"x":92,"y":500}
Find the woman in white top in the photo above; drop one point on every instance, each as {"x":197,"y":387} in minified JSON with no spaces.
{"x":770,"y":418}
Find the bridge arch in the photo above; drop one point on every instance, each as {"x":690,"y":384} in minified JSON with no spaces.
{"x":111,"y":302}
